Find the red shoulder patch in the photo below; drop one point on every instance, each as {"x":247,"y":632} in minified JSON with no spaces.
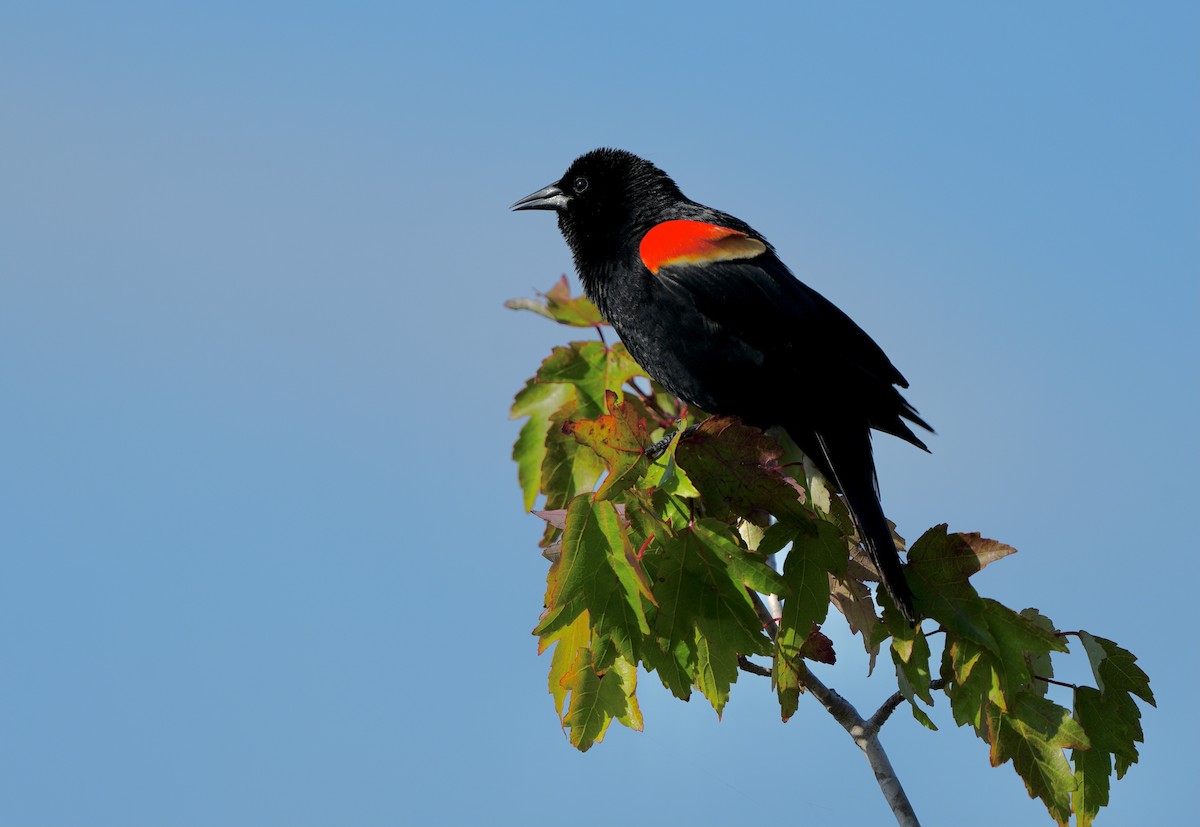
{"x":694,"y":242}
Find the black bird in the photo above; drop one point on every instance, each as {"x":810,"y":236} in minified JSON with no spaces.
{"x":706,"y":307}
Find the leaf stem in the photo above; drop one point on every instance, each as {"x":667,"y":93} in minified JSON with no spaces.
{"x":1056,"y":683}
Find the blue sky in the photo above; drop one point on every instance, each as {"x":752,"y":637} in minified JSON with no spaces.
{"x":264,"y":559}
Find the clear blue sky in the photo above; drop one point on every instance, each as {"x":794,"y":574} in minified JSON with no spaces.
{"x":264,"y":559}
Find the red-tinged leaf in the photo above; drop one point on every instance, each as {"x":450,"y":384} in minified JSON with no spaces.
{"x":939,"y":565}
{"x":600,"y":574}
{"x":986,"y":551}
{"x":558,"y":305}
{"x":565,"y":309}
{"x":618,"y":438}
{"x":818,"y":647}
{"x":736,"y":469}
{"x":1033,"y":735}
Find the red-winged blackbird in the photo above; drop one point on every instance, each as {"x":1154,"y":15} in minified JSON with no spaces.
{"x":706,"y":307}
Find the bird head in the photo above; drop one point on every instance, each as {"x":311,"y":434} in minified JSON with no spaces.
{"x":605,"y":197}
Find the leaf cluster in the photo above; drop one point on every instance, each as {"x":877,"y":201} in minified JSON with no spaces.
{"x":662,"y":548}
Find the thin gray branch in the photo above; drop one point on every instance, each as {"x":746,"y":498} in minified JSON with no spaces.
{"x":867,"y":740}
{"x":845,"y":714}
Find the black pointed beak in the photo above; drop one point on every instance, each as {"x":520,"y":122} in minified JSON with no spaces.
{"x":547,"y":198}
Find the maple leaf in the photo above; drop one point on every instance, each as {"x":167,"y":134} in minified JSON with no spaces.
{"x":618,"y":439}
{"x":567,"y":469}
{"x":591,"y":368}
{"x":557,"y":305}
{"x":598,"y":697}
{"x":597,"y":573}
{"x":939,"y":565}
{"x":1033,"y":735}
{"x":853,"y":599}
{"x":540,"y":402}
{"x":666,"y":475}
{"x":1093,"y":768}
{"x":736,"y":469}
{"x":705,"y":618}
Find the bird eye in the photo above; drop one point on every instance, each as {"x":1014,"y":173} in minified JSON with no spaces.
{"x":580,"y":185}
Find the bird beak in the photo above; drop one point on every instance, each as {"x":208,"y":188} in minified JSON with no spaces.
{"x":547,"y":198}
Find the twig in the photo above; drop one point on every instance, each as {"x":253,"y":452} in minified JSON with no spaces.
{"x":753,"y":668}
{"x":876,"y":721}
{"x":1056,"y":683}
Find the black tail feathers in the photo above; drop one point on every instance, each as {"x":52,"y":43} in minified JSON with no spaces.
{"x":846,"y":458}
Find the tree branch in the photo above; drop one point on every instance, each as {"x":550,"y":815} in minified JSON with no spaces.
{"x":868,"y":741}
{"x":845,"y":714}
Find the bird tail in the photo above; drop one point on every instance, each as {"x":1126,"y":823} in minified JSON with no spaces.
{"x":846,"y":458}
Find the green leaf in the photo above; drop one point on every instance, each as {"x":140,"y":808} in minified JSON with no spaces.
{"x":1039,"y":662}
{"x":1033,"y":735}
{"x":1093,"y":767}
{"x":814,"y":556}
{"x":910,"y":654}
{"x":939,"y":565}
{"x":597,"y":697}
{"x":568,"y":470}
{"x":1116,"y":669}
{"x":559,"y":306}
{"x":618,"y":438}
{"x":568,"y":641}
{"x":972,"y":684}
{"x":1019,"y":642}
{"x":1106,"y":718}
{"x":577,"y":673}
{"x":666,"y":475}
{"x":593,"y":369}
{"x":539,"y":402}
{"x":705,"y":618}
{"x":598,"y":573}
